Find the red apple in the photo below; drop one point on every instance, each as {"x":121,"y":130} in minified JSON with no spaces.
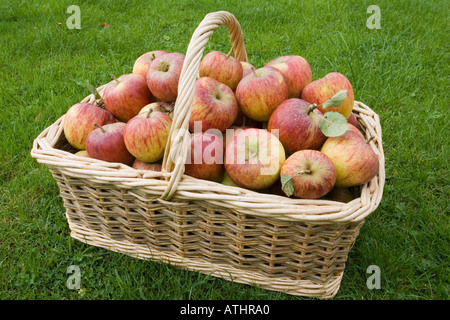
{"x":165,"y":107}
{"x":296,"y":71}
{"x":144,"y":61}
{"x":246,"y":68}
{"x":352,"y":119}
{"x":253,"y":158}
{"x":214,"y":105}
{"x":260,"y":93}
{"x":140,"y":165}
{"x":355,"y":161}
{"x":82,"y":153}
{"x":222,"y":67}
{"x":126,"y":96}
{"x":311,"y":172}
{"x":227,"y":181}
{"x":146,"y":135}
{"x":163,"y":76}
{"x":106,"y":143}
{"x":79,"y":121}
{"x":230,"y":132}
{"x":321,"y":90}
{"x":298,"y":125}
{"x":205,"y":157}
{"x":355,"y":129}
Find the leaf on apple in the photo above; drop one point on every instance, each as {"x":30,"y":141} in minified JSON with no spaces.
{"x":287,"y":185}
{"x":335,"y":100}
{"x":333,"y":124}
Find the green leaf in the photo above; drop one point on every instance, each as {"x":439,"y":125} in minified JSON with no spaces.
{"x":335,"y":100}
{"x":287,"y":185}
{"x":93,"y":91}
{"x":333,"y":124}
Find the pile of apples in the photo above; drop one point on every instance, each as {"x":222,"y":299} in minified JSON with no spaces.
{"x":270,"y":129}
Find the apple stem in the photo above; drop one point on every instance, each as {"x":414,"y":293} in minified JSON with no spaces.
{"x":312,"y":107}
{"x":254,"y":71}
{"x":231,"y":51}
{"x":304,"y":171}
{"x":99,"y":126}
{"x":370,"y":139}
{"x":149,"y":111}
{"x":152,"y":56}
{"x":114,"y":77}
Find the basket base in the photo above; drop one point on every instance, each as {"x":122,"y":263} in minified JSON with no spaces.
{"x":306,"y":288}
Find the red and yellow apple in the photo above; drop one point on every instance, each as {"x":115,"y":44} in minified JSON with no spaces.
{"x":253,"y":158}
{"x":163,"y":76}
{"x":82,"y":153}
{"x":125,"y":96}
{"x":106,"y":143}
{"x":141,"y":165}
{"x":296,"y":71}
{"x":246,"y":68}
{"x":298,"y":125}
{"x":144,"y":61}
{"x":214,"y":105}
{"x":79,"y":121}
{"x":204,"y":159}
{"x":160,"y":106}
{"x":311,"y":172}
{"x":354,"y":159}
{"x":260,"y":92}
{"x":146,"y":135}
{"x":222,"y":67}
{"x":321,"y":90}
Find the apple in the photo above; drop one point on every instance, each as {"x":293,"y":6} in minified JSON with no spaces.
{"x":79,"y":121}
{"x":355,"y":129}
{"x":214,"y":105}
{"x":296,"y":71}
{"x":312,"y":174}
{"x":339,"y":194}
{"x":352,"y":119}
{"x":106,"y":143}
{"x":321,"y":90}
{"x":125,"y":96}
{"x":204,"y":158}
{"x":298,"y":125}
{"x":246,"y":68}
{"x":144,"y":61}
{"x":161,"y":106}
{"x":260,"y":92}
{"x":82,"y":153}
{"x":253,"y":158}
{"x":222,"y":67}
{"x":146,"y":135}
{"x":355,"y":161}
{"x":227,"y":181}
{"x":230,"y":132}
{"x":140,"y":165}
{"x":163,"y":76}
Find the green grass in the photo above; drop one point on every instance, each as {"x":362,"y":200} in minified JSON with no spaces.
{"x":400,"y":71}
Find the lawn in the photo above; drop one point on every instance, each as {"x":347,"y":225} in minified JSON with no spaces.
{"x":400,"y":70}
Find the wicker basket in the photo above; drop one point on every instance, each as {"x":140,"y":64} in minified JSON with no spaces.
{"x":295,"y":246}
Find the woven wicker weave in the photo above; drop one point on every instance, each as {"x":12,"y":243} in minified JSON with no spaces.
{"x":290,"y":245}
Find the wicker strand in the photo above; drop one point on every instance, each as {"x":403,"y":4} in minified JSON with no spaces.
{"x":178,"y":137}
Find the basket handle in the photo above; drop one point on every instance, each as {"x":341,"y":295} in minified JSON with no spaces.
{"x":175,"y":152}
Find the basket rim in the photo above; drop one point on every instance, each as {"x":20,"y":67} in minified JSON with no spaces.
{"x":216,"y":194}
